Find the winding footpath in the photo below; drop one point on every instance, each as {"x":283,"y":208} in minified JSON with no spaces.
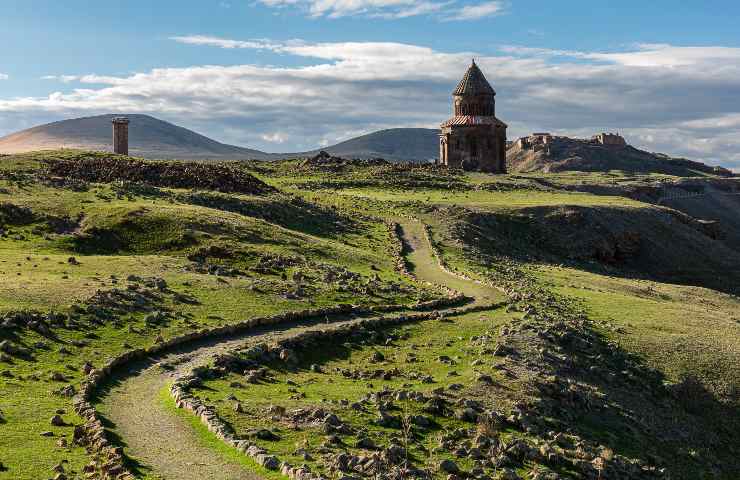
{"x":165,"y":446}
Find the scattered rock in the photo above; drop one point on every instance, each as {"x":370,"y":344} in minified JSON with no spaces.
{"x":57,"y":421}
{"x":448,"y":466}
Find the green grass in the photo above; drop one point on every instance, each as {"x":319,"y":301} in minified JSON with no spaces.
{"x":680,"y":330}
{"x":150,"y":232}
{"x":428,"y":340}
{"x":136,"y":233}
{"x":489,"y":200}
{"x":212,"y":442}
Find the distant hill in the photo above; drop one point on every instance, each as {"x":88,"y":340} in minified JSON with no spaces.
{"x":149,"y":138}
{"x":395,"y":144}
{"x":558,"y":154}
{"x":154,"y":138}
{"x":157,"y":139}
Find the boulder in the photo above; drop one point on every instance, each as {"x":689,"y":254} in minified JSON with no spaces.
{"x":448,"y":466}
{"x":57,"y":421}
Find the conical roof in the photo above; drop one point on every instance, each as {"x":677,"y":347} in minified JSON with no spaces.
{"x":474,"y":83}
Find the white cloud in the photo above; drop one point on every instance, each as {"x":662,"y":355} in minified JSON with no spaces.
{"x":275,"y":137}
{"x":644,"y":55}
{"x":681,"y":100}
{"x":4,"y":76}
{"x":61,"y":78}
{"x":476,"y":12}
{"x":223,"y":42}
{"x":391,"y":9}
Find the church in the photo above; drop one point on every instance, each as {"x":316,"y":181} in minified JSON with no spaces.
{"x":474,"y":139}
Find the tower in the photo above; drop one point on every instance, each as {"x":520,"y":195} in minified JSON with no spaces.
{"x":120,"y":135}
{"x":474,"y":139}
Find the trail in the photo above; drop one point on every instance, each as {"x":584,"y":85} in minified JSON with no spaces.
{"x":165,"y":446}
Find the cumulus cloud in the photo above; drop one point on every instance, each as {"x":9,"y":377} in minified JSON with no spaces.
{"x":681,"y":100}
{"x":450,"y":9}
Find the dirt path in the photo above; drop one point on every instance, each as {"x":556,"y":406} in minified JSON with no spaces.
{"x":165,"y":446}
{"x":424,"y":266}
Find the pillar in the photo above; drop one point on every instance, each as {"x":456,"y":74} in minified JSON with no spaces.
{"x":120,"y":135}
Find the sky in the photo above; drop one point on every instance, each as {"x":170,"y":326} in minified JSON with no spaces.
{"x":291,"y":75}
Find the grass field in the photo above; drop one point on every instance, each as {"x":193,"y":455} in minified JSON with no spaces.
{"x":111,"y":266}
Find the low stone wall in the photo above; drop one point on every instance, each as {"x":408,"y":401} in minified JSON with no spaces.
{"x":183,"y":399}
{"x":110,"y":459}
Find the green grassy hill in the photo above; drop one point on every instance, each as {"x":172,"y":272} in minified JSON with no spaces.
{"x":615,"y":356}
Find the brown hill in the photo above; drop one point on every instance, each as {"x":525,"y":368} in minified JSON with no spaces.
{"x":156,"y":139}
{"x":149,"y":138}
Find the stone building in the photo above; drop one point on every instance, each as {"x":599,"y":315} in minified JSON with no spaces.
{"x":610,"y":139}
{"x":120,"y":135}
{"x":474,"y":139}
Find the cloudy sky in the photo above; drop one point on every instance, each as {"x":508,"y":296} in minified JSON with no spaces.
{"x":287,"y":75}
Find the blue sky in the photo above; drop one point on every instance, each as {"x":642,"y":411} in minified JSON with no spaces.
{"x":284,"y":75}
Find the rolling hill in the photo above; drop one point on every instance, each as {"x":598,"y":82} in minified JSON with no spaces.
{"x":395,"y":144}
{"x":156,"y":139}
{"x":149,"y":137}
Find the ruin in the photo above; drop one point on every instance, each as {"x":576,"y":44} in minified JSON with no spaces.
{"x":534,"y":141}
{"x":609,"y":139}
{"x":120,"y":135}
{"x":473,"y":139}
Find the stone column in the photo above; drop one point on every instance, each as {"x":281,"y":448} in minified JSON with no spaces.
{"x":120,"y":135}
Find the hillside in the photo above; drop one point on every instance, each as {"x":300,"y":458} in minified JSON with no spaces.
{"x":418,"y":145}
{"x":386,"y":320}
{"x":156,"y":139}
{"x":149,"y":138}
{"x":559,"y":154}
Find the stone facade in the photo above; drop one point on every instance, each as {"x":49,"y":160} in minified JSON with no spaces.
{"x":120,"y":135}
{"x":533,"y":141}
{"x":473,"y":139}
{"x":610,"y":139}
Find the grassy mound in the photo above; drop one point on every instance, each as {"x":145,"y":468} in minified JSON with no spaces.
{"x":224,"y":177}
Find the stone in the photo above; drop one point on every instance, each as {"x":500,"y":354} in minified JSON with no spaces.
{"x":448,"y":466}
{"x":508,"y":474}
{"x":57,"y":421}
{"x":467,"y":415}
{"x":276,"y":410}
{"x":366,"y":443}
{"x":265,"y":434}
{"x":484,"y":378}
{"x":270,"y":462}
{"x":421,"y":421}
{"x":388,"y":421}
{"x":87,"y":367}
{"x":395,"y":454}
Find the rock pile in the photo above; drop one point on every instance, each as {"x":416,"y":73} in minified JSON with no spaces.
{"x":222,"y":177}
